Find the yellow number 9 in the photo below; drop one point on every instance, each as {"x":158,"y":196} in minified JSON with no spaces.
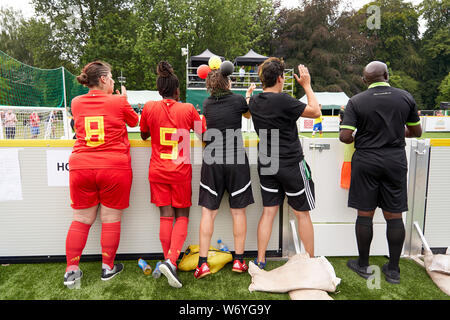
{"x":164,"y":142}
{"x":98,"y":134}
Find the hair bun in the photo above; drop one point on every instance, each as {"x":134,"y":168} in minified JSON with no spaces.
{"x":83,"y":78}
{"x":164,"y":69}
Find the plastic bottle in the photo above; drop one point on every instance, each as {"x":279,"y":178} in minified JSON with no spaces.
{"x":222,"y":246}
{"x":144,"y":266}
{"x":156,"y":273}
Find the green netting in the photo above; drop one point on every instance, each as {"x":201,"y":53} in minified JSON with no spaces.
{"x":24,"y":85}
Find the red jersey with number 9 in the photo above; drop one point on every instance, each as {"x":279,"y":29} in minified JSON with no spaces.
{"x":102,"y":137}
{"x":169,"y":124}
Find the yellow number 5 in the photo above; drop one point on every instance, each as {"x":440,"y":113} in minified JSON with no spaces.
{"x":164,"y":142}
{"x":95,"y":135}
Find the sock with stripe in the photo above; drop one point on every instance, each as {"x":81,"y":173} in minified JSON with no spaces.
{"x":75,"y":243}
{"x":109,"y":240}
{"x":165,"y":233}
{"x":179,"y":235}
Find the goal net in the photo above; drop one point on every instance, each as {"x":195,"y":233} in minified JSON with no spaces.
{"x":34,"y":123}
{"x":39,"y":100}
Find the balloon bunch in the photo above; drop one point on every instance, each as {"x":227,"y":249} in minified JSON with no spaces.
{"x":226,"y":67}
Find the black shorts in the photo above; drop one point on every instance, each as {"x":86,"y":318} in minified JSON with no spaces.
{"x":294,"y":181}
{"x":379,"y":179}
{"x":234,"y":178}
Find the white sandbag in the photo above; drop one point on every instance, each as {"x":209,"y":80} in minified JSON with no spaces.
{"x":309,"y":294}
{"x":439,"y":263}
{"x":299,"y":272}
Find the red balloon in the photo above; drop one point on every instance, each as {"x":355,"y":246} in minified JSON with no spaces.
{"x":203,"y":71}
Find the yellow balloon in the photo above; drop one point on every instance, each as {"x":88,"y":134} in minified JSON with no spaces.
{"x":214,"y":62}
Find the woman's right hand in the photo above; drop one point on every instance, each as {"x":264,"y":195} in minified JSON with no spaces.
{"x":250,"y":89}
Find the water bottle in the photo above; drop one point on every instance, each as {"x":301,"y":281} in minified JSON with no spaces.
{"x":144,"y":266}
{"x":222,"y":246}
{"x":157,"y":273}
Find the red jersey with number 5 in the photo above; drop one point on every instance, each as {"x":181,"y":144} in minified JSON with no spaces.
{"x":102,"y":138}
{"x":169,"y":124}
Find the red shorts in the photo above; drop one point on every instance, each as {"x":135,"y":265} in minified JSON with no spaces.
{"x":110,"y":187}
{"x":177,"y":195}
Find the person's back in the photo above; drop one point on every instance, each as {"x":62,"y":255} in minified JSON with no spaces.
{"x":169,"y":123}
{"x":380,"y":114}
{"x":102,"y":138}
{"x":224,"y":114}
{"x":278,"y":111}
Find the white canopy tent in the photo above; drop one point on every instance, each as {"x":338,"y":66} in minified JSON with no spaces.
{"x":329,"y":100}
{"x":135,"y":97}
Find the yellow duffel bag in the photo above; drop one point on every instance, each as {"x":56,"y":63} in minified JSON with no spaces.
{"x":216,"y":258}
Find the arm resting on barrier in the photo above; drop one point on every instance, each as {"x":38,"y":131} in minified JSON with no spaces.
{"x":413,"y":131}
{"x":346,"y":136}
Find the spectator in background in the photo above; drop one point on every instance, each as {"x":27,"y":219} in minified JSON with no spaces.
{"x":35,"y":123}
{"x":10,"y":124}
{"x":242,"y":75}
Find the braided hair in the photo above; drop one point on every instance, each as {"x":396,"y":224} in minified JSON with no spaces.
{"x":167,"y":82}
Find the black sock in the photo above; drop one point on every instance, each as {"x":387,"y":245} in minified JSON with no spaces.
{"x":202,"y":260}
{"x":239,"y":257}
{"x":395,"y":234}
{"x":364,"y":233}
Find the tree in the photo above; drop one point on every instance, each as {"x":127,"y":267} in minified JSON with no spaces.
{"x":327,"y":42}
{"x":398,"y":35}
{"x":435,"y":49}
{"x":444,"y":91}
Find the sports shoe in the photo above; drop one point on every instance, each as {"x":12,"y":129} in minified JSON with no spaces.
{"x":392,"y":276}
{"x":71,"y":277}
{"x":362,"y":271}
{"x":261,"y":265}
{"x":157,"y":273}
{"x":109,"y":274}
{"x":239,"y":266}
{"x":169,"y":270}
{"x":202,"y":271}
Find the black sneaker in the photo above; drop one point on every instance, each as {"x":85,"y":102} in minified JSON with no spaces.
{"x":109,"y":274}
{"x":392,"y":276}
{"x":168,"y":269}
{"x":362,"y":271}
{"x":71,"y":277}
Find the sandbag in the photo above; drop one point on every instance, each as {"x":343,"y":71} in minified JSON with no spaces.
{"x":309,"y":294}
{"x":438,"y":263}
{"x":299,"y":272}
{"x":441,"y":279}
{"x":216,"y":259}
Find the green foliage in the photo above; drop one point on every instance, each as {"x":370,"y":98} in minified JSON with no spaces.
{"x":400,"y":79}
{"x":333,"y":41}
{"x":444,"y":90}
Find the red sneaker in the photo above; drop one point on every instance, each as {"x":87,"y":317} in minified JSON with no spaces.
{"x":201,"y":272}
{"x":239,"y":267}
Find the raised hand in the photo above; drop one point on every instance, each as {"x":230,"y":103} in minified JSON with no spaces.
{"x":304,"y":79}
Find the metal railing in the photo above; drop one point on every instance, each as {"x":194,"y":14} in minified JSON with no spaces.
{"x":240,"y":81}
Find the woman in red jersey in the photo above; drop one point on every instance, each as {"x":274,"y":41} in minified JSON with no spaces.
{"x":100,"y":168}
{"x":169,"y":122}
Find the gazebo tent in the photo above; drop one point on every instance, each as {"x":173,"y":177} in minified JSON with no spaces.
{"x":203,"y":58}
{"x":329,"y":100}
{"x":142,"y":96}
{"x":250,"y":59}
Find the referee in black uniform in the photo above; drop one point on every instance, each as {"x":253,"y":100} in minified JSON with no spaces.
{"x":281,"y":168}
{"x":382,"y":117}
